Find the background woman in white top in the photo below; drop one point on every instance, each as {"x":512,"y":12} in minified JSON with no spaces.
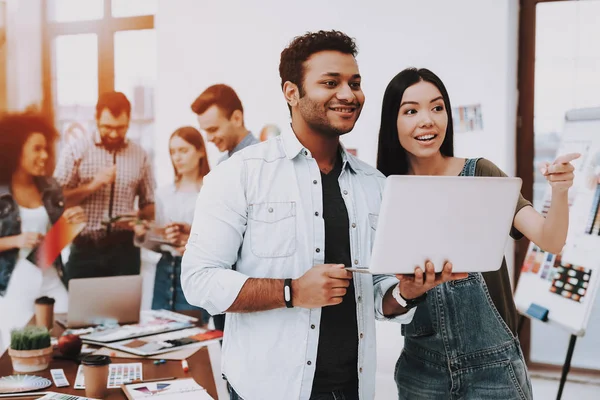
{"x":30,"y":202}
{"x":175,"y":204}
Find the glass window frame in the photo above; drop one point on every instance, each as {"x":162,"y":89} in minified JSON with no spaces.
{"x":105,"y":29}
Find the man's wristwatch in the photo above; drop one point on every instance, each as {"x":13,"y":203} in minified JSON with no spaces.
{"x":287,"y":293}
{"x":407,"y":304}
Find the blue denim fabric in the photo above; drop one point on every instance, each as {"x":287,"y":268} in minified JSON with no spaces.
{"x":168,"y":294}
{"x":458,"y":346}
{"x":10,"y":223}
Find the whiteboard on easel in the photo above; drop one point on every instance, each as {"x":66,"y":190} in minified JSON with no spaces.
{"x":566,"y":284}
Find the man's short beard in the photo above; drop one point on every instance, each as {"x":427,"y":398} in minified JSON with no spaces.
{"x":309,"y":110}
{"x":326,"y":129}
{"x":109,"y":145}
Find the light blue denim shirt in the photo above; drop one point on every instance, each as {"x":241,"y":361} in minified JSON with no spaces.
{"x":262,"y":211}
{"x":248,"y":140}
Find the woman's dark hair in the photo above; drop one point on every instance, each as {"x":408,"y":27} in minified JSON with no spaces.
{"x":15,"y":129}
{"x":391,"y":156}
{"x":193,"y":137}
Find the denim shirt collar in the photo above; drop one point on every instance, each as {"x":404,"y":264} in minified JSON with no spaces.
{"x":248,"y":140}
{"x":292,"y":148}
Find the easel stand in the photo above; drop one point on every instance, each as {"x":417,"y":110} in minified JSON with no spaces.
{"x":541,"y":313}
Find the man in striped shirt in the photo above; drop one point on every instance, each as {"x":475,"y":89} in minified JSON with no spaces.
{"x":106,"y":174}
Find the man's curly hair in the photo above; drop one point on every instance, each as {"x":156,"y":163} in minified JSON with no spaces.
{"x":291,"y":64}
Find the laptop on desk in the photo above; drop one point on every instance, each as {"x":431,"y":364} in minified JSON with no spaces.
{"x":96,"y":301}
{"x":464,"y":220}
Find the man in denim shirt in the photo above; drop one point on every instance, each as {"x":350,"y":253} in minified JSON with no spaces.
{"x":221,"y":117}
{"x":290,"y":213}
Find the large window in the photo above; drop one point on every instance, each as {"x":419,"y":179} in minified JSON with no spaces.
{"x":95,"y":46}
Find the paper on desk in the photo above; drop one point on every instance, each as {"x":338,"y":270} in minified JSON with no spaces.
{"x":61,"y":396}
{"x":179,"y":389}
{"x":182,"y":354}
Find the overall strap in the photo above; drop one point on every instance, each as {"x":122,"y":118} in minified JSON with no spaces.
{"x":470,"y":166}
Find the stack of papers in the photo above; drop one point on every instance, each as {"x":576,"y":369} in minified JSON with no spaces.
{"x":152,"y":322}
{"x":178,"y":389}
{"x":167,"y":342}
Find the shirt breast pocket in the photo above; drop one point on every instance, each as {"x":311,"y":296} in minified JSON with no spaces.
{"x":272,"y":229}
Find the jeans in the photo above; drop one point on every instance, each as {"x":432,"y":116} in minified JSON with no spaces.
{"x":168,"y":294}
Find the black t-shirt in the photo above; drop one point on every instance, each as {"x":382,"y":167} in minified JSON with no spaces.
{"x":337,"y":355}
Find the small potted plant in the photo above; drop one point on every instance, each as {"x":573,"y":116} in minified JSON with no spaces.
{"x":30,"y":349}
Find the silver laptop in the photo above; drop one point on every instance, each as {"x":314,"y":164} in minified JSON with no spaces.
{"x":464,"y":220}
{"x":95,"y":301}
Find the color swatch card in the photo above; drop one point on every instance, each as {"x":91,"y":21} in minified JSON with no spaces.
{"x":118,"y":374}
{"x":178,"y":389}
{"x":571,"y":282}
{"x":60,"y":235}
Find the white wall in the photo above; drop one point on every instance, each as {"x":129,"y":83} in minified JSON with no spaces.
{"x":470,"y":44}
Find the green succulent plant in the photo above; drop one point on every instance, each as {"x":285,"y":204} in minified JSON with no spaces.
{"x":30,"y":338}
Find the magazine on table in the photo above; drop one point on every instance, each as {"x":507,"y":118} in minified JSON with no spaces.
{"x":178,"y":389}
{"x":152,"y":322}
{"x":166,"y":342}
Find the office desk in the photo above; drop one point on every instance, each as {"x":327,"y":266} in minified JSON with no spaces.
{"x":199,"y":363}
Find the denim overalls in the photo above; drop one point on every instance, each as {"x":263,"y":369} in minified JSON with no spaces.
{"x":459,"y":347}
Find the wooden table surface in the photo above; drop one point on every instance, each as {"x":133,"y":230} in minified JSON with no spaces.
{"x":199,"y":369}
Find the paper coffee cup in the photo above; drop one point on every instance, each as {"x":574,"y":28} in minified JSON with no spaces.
{"x":44,"y":312}
{"x":95,"y":374}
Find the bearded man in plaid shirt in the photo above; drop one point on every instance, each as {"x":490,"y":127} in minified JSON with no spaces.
{"x":105,"y":174}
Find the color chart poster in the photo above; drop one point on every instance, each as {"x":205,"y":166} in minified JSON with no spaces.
{"x":566,"y":283}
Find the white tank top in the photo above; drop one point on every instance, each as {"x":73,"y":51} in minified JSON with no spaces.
{"x":33,"y":220}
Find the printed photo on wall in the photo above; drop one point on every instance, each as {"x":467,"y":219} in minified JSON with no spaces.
{"x":571,"y":282}
{"x":467,"y":118}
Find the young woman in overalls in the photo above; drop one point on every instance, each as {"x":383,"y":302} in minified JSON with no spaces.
{"x":462,"y":342}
